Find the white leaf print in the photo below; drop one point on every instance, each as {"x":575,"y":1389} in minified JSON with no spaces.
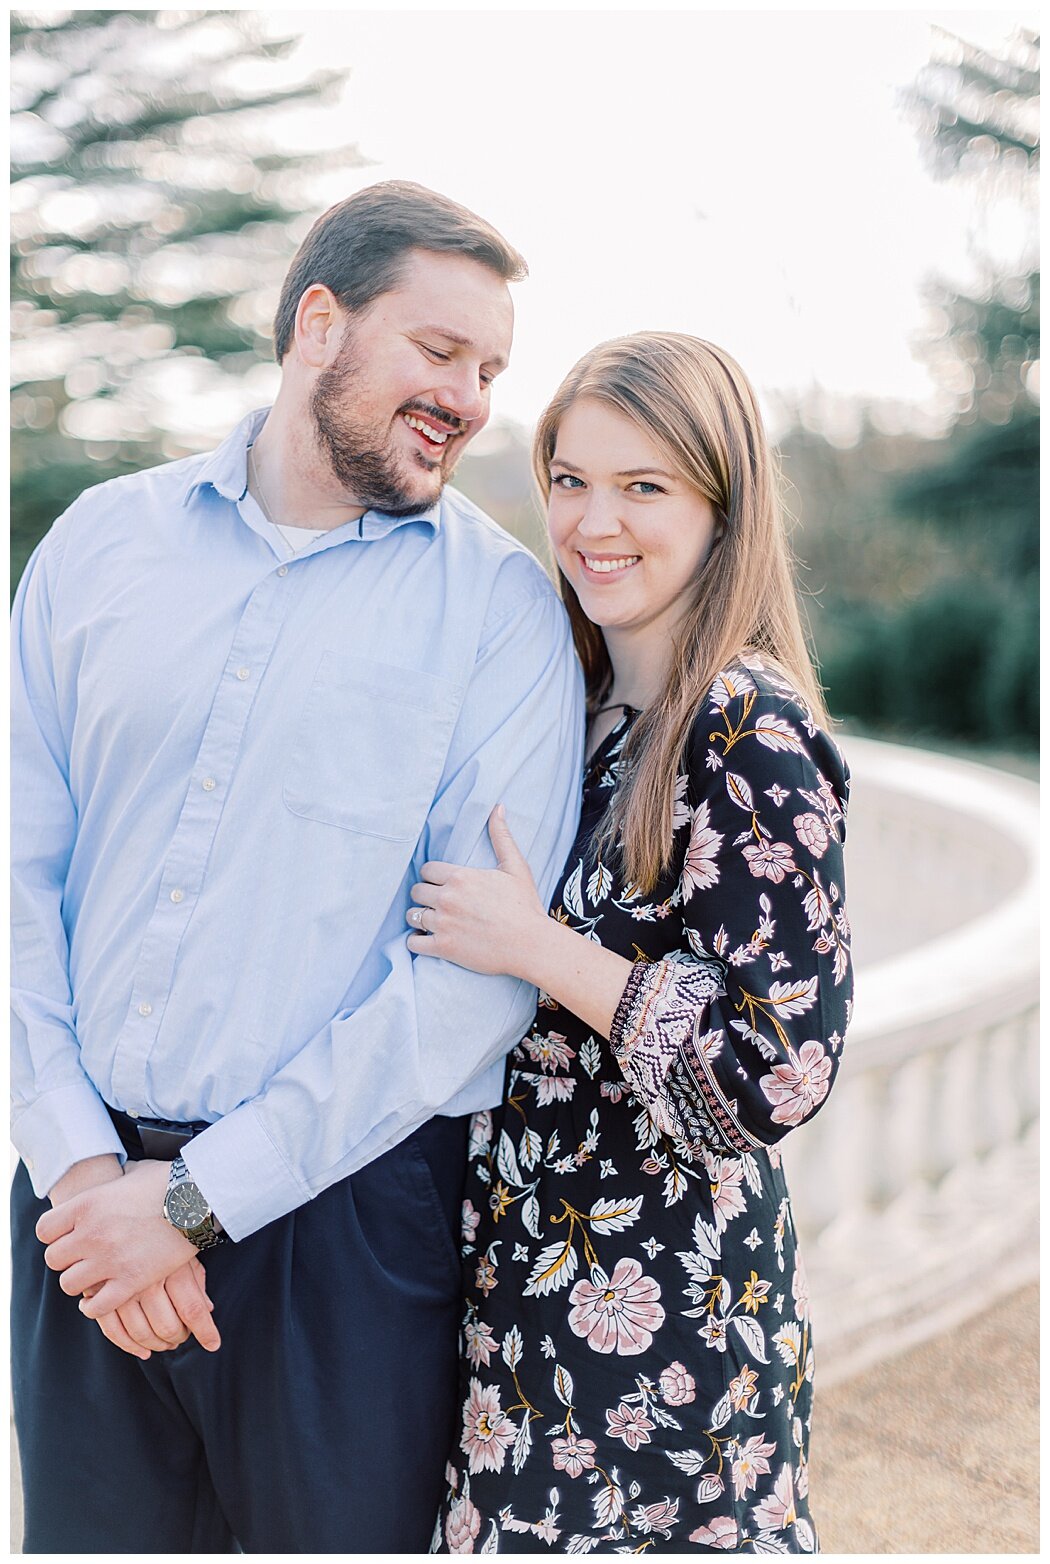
{"x":690,"y":1462}
{"x":645,"y":1131}
{"x":512,"y":1347}
{"x":579,"y":1542}
{"x":698,"y":1267}
{"x":530,"y":1215}
{"x":767,"y":1542}
{"x":491,"y":1543}
{"x":841,"y":962}
{"x":818,"y":908}
{"x":775,"y":733}
{"x":571,"y":893}
{"x":740,"y":792}
{"x":725,"y":1294}
{"x":563,"y":1386}
{"x":753,"y":1335}
{"x":806,"y":1540}
{"x":705,"y":1239}
{"x":674,"y":1187}
{"x":696,"y":944}
{"x":709,"y":1488}
{"x":599,"y":885}
{"x":664,"y":1419}
{"x":727,"y":685}
{"x":591,"y":1056}
{"x":710,"y":1045}
{"x":791,"y":999}
{"x":530,"y":1148}
{"x":722,"y":1413}
{"x":552,"y":1144}
{"x":522,"y":1443}
{"x":608,"y":1504}
{"x":751,"y":1173}
{"x":506,"y":1161}
{"x":613,"y":1216}
{"x":555,"y":1268}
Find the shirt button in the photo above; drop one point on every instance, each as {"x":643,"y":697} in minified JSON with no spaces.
{"x":243,"y":673}
{"x":283,"y":570}
{"x":132,"y":1115}
{"x":208,"y":784}
{"x":145,"y":1009}
{"x":177,"y":895}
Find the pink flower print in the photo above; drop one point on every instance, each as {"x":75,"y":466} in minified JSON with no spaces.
{"x":677,"y":1385}
{"x":812,"y":833}
{"x":488,"y":1432}
{"x":573,"y":1455}
{"x":647,"y":1518}
{"x":462,"y":1524}
{"x":480,"y":1343}
{"x":485,"y":1275}
{"x":470,"y":1220}
{"x":799,"y":1086}
{"x":719,"y":1533}
{"x":480,"y":1132}
{"x":727,"y":1197}
{"x":742,"y":1388}
{"x":629,"y":1424}
{"x":551,"y":1052}
{"x":750,"y":1463}
{"x":700,"y":870}
{"x":772,"y":861}
{"x":777,"y":1510}
{"x":619,"y":1316}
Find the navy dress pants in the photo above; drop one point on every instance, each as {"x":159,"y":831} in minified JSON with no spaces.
{"x":321,"y":1425}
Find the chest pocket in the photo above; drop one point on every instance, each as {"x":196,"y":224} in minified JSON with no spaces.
{"x":370,"y":746}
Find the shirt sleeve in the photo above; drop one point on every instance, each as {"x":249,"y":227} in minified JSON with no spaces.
{"x":58,"y":1117}
{"x":428,"y":1027}
{"x":736,"y":1040}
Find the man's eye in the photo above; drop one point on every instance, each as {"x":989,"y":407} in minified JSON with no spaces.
{"x":565,"y":480}
{"x":436,"y":353}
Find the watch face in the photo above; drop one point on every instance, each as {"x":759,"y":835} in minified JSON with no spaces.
{"x":186,"y":1206}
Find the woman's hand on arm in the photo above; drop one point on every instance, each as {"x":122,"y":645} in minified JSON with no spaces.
{"x":492,"y":921}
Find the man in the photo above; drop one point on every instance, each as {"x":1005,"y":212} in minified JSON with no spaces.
{"x":254,"y":692}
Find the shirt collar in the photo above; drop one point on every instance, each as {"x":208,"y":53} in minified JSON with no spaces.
{"x":226,"y":471}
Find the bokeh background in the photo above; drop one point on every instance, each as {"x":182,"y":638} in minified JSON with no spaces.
{"x":846,"y":201}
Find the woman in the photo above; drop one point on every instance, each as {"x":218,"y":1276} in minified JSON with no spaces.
{"x":637,"y":1368}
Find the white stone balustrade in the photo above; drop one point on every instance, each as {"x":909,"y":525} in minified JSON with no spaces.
{"x":915,"y":1190}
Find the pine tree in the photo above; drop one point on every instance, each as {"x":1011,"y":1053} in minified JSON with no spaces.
{"x":153,"y":216}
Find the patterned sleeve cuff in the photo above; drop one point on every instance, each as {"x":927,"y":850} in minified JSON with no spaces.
{"x":654,"y":1036}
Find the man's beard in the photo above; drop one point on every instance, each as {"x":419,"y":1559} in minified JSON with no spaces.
{"x":373,"y":476}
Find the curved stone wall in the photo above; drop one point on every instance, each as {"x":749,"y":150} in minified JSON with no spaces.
{"x":915,"y":1189}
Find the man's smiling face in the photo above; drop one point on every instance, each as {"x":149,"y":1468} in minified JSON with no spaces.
{"x":412,"y":381}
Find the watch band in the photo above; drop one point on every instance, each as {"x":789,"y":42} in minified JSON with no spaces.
{"x":208,"y":1233}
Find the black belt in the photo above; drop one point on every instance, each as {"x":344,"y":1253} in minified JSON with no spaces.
{"x":158,"y":1139}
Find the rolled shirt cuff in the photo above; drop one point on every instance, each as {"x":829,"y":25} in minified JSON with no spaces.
{"x":60,"y":1128}
{"x":242,"y":1175}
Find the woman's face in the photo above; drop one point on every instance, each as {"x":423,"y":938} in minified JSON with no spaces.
{"x":627,"y":531}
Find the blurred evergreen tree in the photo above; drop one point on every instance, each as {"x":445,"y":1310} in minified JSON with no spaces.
{"x":960,"y":656}
{"x":153,"y":216}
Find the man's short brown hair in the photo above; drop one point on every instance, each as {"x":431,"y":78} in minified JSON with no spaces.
{"x":358,"y":248}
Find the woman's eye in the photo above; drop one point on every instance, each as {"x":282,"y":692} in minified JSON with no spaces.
{"x":643,"y":486}
{"x":565,"y":480}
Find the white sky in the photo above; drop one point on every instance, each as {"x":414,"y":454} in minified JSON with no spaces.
{"x":745,"y":176}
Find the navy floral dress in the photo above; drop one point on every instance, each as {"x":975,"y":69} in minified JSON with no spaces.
{"x":636,"y":1358}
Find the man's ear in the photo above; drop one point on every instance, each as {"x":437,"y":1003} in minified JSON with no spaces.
{"x":319,"y":325}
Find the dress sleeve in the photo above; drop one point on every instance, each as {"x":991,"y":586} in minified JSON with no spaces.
{"x":736,"y":1039}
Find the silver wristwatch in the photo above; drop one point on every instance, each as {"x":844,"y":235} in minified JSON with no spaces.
{"x":187,"y":1210}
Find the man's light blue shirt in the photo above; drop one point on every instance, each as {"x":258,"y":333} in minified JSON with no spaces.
{"x":228,"y":768}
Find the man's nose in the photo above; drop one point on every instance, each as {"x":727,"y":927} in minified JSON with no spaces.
{"x":463,"y":396}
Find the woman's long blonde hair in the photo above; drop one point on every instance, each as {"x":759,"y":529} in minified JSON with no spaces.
{"x":698,"y":405}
